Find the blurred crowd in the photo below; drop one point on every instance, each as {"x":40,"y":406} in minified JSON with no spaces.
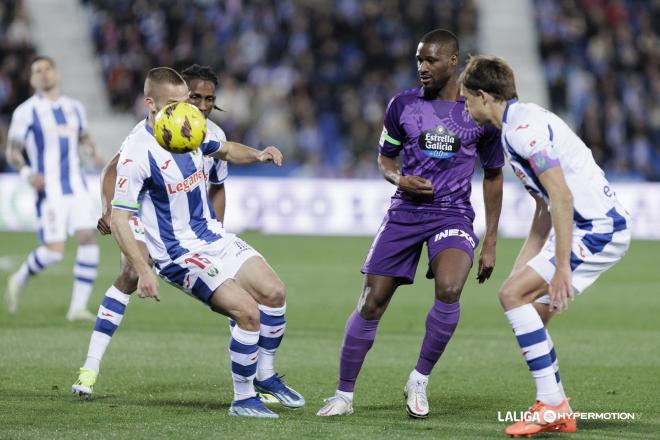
{"x":312,"y":77}
{"x":601,"y":60}
{"x":16,"y":50}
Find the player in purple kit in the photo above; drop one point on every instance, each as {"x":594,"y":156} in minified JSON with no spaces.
{"x":439,"y":143}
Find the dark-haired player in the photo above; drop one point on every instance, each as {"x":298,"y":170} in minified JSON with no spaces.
{"x":439,"y":144}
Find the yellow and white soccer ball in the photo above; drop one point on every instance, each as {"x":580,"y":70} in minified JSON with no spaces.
{"x":180,"y":127}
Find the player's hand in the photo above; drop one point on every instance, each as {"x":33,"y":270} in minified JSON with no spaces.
{"x":560,"y":290}
{"x":486,"y":262}
{"x":103,"y":225}
{"x":37,"y":181}
{"x":416,"y":185}
{"x":98,"y":160}
{"x":148,"y":286}
{"x":271,"y":154}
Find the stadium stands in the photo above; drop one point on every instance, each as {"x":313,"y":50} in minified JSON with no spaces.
{"x":16,"y":49}
{"x":601,"y":62}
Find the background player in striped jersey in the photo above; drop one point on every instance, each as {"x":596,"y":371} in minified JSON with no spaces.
{"x":579,"y":229}
{"x":202,"y":83}
{"x":52,"y":128}
{"x":439,"y":144}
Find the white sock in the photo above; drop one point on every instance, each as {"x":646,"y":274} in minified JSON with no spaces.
{"x":38,"y":260}
{"x":84,"y":272}
{"x":346,"y":394}
{"x":532,"y":338}
{"x":271,"y":332}
{"x":555,"y":364}
{"x":110,"y":314}
{"x":416,"y":376}
{"x":243,"y":351}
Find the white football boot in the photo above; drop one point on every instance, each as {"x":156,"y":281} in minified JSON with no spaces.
{"x":336,"y":405}
{"x":417,"y":404}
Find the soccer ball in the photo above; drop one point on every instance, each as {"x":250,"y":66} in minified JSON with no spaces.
{"x":180,"y":127}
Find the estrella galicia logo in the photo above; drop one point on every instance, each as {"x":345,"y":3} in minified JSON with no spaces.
{"x":439,"y":142}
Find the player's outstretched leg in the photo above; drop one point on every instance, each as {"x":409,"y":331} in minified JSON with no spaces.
{"x":231,"y":300}
{"x":450,"y":268}
{"x":551,"y":411}
{"x":108,"y":318}
{"x":38,"y":260}
{"x":359,"y":337}
{"x":263,"y":284}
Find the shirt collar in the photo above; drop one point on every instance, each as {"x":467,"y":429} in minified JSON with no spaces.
{"x":506,"y":109}
{"x":420,"y":94}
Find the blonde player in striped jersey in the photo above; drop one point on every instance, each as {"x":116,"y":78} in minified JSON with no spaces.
{"x":271,"y":307}
{"x":579,"y":230}
{"x":52,"y":128}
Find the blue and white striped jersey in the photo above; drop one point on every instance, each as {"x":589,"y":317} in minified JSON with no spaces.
{"x":169,"y":191}
{"x":51,"y":133}
{"x":535,"y":140}
{"x":218,"y":170}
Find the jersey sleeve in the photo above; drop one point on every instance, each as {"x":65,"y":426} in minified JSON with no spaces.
{"x":392,"y":137}
{"x":489,"y":148}
{"x":219,"y":172}
{"x":212,"y":143}
{"x":534,"y":144}
{"x":20,"y":125}
{"x":132,"y":171}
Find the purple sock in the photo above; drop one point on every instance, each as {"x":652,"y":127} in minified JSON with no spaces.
{"x":359,"y":336}
{"x":440,"y":325}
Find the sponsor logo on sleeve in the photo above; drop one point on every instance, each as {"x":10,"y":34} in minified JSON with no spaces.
{"x":121,"y":187}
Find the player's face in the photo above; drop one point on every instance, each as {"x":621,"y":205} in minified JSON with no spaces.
{"x":202,"y":95}
{"x":474,"y":104}
{"x":43,"y":76}
{"x":164,"y":94}
{"x":435,"y":67}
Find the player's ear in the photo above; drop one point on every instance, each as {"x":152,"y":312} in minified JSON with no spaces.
{"x":151,"y":105}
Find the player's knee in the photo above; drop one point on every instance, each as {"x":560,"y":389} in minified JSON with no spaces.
{"x":508,"y":296}
{"x":86,"y":237}
{"x":275,"y":295}
{"x":371,"y":309}
{"x":247,"y":317}
{"x":448,"y":293}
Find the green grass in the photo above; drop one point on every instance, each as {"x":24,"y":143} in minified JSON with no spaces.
{"x":166,"y":373}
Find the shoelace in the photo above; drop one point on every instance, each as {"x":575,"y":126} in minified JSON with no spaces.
{"x":420,"y":390}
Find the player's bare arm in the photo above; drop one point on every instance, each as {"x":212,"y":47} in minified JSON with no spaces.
{"x":538,"y":234}
{"x":89,"y":147}
{"x":218,"y":200}
{"x":561,"y":210}
{"x":492,"y":187}
{"x":240,"y":154}
{"x":389,"y":168}
{"x":147,"y":283}
{"x":108,"y":178}
{"x":15,"y":150}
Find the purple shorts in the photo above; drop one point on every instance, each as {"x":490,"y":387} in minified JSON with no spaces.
{"x":397,"y":247}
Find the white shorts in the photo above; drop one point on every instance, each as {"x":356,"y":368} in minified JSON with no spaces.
{"x":200,"y":273}
{"x":63,"y":216}
{"x":586,"y":266}
{"x":137,"y":229}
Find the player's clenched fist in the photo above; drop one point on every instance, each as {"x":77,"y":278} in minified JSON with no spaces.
{"x":271,"y":154}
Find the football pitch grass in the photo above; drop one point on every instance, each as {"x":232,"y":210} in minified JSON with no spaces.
{"x":166,"y":373}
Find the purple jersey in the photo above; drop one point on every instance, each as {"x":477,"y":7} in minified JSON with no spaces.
{"x":440,"y":142}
